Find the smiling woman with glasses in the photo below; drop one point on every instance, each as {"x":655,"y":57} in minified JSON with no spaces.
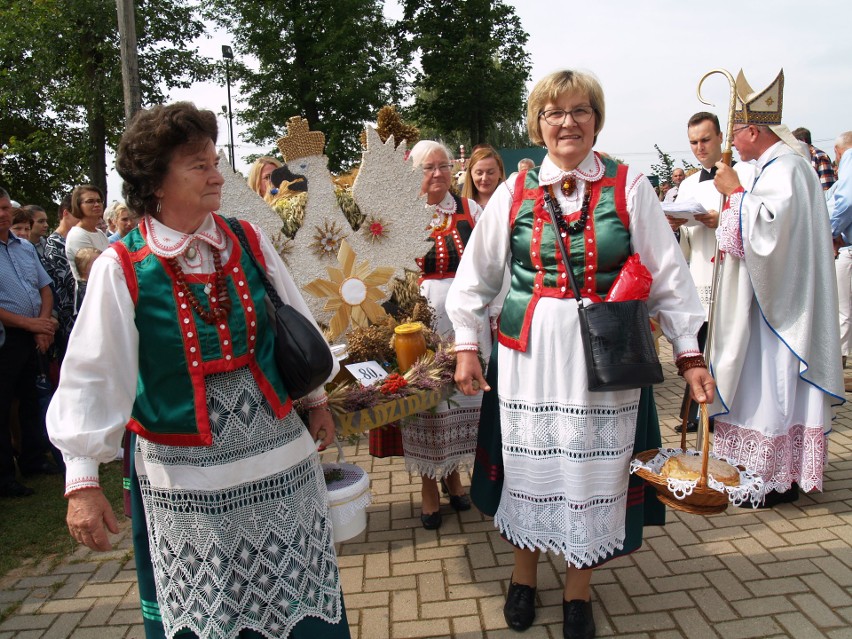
{"x":438,"y":444}
{"x":87,"y":205}
{"x":552,"y":459}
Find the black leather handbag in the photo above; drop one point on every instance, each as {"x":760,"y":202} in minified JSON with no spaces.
{"x":617,"y":341}
{"x":301,"y":352}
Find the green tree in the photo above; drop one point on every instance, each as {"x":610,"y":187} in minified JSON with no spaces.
{"x":474,"y":66}
{"x":664,"y":169}
{"x":332,"y":62}
{"x":61,"y":100}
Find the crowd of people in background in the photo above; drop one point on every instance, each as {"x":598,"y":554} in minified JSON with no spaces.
{"x":604,"y":211}
{"x":43,"y":276}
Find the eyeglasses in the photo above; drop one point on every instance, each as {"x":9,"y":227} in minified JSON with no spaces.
{"x":92,"y":202}
{"x":443,"y":168}
{"x":735,"y":131}
{"x":556,"y":117}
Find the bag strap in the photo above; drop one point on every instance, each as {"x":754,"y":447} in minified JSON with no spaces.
{"x":239,"y":231}
{"x":548,"y":201}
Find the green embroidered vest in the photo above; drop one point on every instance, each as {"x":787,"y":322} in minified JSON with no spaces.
{"x":596,"y":254}
{"x":177,"y":350}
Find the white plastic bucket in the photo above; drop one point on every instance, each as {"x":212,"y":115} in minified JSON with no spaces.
{"x":348,"y":498}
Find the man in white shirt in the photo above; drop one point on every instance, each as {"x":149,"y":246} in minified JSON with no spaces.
{"x":698,"y":237}
{"x":678,"y":176}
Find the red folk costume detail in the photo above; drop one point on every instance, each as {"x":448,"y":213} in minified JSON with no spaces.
{"x":550,"y":279}
{"x":442,"y":260}
{"x":197,"y":366}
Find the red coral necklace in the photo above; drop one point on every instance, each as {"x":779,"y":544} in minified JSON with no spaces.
{"x":220,"y":304}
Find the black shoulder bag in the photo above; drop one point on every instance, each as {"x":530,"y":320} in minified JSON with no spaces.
{"x":301,"y":352}
{"x":617,"y":341}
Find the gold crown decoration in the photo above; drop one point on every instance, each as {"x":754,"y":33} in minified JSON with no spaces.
{"x":763,"y":107}
{"x":300,"y":141}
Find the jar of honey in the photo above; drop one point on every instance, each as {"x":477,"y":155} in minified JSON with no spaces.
{"x":409,"y":344}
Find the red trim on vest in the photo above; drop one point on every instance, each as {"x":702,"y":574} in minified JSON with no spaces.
{"x":251,"y":236}
{"x":588,"y":286}
{"x":621,"y":195}
{"x":440,"y":238}
{"x":204,"y":438}
{"x":278,"y":409}
{"x":192,"y":354}
{"x":520,"y":344}
{"x":244,"y":297}
{"x":126,"y":263}
{"x":519,"y":192}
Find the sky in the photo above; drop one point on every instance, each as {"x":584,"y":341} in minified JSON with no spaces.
{"x":649,"y":56}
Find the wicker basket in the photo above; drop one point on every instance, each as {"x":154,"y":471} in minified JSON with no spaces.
{"x":703,"y":500}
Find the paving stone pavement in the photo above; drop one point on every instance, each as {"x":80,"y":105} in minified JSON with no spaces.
{"x":785,"y":572}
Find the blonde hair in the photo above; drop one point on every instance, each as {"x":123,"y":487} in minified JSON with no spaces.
{"x":482,"y":152}
{"x":551,"y":87}
{"x":112,"y":212}
{"x":83,"y":260}
{"x":257,"y":169}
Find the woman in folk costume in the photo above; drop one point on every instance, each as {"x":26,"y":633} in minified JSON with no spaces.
{"x":230,"y":525}
{"x":437,"y":444}
{"x":565,"y":451}
{"x":777,"y":357}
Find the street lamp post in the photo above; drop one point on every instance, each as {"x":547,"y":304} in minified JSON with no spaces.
{"x":228,"y":55}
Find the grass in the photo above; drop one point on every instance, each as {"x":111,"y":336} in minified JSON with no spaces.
{"x":33,"y":528}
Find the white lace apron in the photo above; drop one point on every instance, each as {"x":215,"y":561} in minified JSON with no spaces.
{"x":566,"y":451}
{"x":440,"y":442}
{"x":239,"y":531}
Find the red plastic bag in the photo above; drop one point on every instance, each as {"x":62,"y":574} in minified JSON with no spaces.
{"x":633,"y":282}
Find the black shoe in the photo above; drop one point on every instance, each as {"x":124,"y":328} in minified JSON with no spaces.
{"x":787,"y":497}
{"x":691,"y":427}
{"x":519,"y":609}
{"x":460,"y":502}
{"x":42,"y":467}
{"x":577,"y":620}
{"x":13,"y":488}
{"x":432,"y":521}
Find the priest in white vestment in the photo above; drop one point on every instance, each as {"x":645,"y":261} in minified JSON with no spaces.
{"x":775,"y":351}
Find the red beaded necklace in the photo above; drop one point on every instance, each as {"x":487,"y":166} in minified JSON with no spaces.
{"x":220,"y":304}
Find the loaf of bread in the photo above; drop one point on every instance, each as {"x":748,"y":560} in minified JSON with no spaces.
{"x":689,"y":467}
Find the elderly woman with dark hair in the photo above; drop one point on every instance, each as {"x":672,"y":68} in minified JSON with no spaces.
{"x":230,"y":524}
{"x":563,"y":452}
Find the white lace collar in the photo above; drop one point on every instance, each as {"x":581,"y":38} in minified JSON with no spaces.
{"x":446,"y":206}
{"x":442,"y":212}
{"x":166,"y":242}
{"x":591,"y":169}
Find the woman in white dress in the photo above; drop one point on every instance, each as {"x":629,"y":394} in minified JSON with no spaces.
{"x":230,"y":527}
{"x":565,"y":451}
